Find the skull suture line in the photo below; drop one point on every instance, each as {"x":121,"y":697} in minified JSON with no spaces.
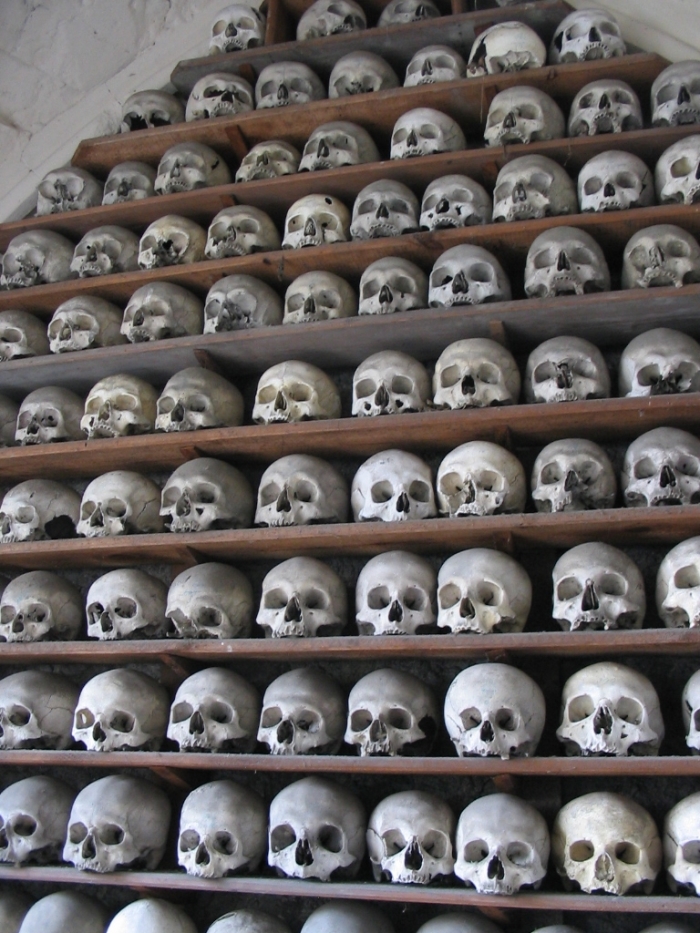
{"x":238,"y":26}
{"x":294,"y":391}
{"x":219,"y":94}
{"x":318,"y":296}
{"x":302,"y":597}
{"x":532,"y":187}
{"x":505,"y":47}
{"x":210,"y":601}
{"x":475,"y":373}
{"x":37,"y":257}
{"x":573,"y":475}
{"x":434,"y":64}
{"x":21,"y":335}
{"x":467,"y":275}
{"x":126,"y":604}
{"x":316,"y":220}
{"x":675,"y":95}
{"x":586,"y":35}
{"x":677,"y":173}
{"x":36,"y":710}
{"x":331,"y":18}
{"x":678,"y":586}
{"x":49,"y":416}
{"x":659,"y":362}
{"x":393,"y":486}
{"x":395,"y":595}
{"x":565,"y":261}
{"x":523,"y":115}
{"x":241,"y":301}
{"x":215,"y":710}
{"x":614,"y":181}
{"x":38,"y":510}
{"x":454,"y":201}
{"x":197,"y":398}
{"x":301,"y":490}
{"x":84,"y":322}
{"x":384,"y":208}
{"x":206,"y":494}
{"x":67,"y":189}
{"x":480,"y":478}
{"x":303,"y":713}
{"x":661,"y":256}
{"x":566,"y":369}
{"x":390,"y":383}
{"x":33,"y":820}
{"x":361,"y":73}
{"x":269,"y":160}
{"x":40,"y":606}
{"x":606,"y":106}
{"x":106,"y":250}
{"x":147,"y":109}
{"x":334,"y":145}
{"x":120,"y":503}
{"x":241,"y":231}
{"x":662,"y":467}
{"x":119,"y":406}
{"x":129,"y":181}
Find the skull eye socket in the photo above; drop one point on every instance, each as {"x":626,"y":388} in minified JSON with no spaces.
{"x":471,"y":718}
{"x":627,"y":852}
{"x":122,"y":721}
{"x":449,"y":595}
{"x":586,"y":101}
{"x":476,"y":851}
{"x":580,"y":708}
{"x":115,"y":508}
{"x":219,"y":712}
{"x":87,"y":509}
{"x":611,"y":584}
{"x":506,"y":719}
{"x":189,"y":840}
{"x":677,"y":249}
{"x":77,"y":832}
{"x":399,"y":136}
{"x":626,"y":180}
{"x":304,"y":491}
{"x":520,"y":853}
{"x":315,"y":599}
{"x":126,"y":403}
{"x":667,"y":93}
{"x":224,"y":843}
{"x":550,"y":474}
{"x":399,"y":718}
{"x":282,"y":837}
{"x":544,"y":259}
{"x":275,"y":599}
{"x":687,"y":578}
{"x":84,"y":719}
{"x":401,"y":385}
{"x":378,"y":597}
{"x":196,"y":404}
{"x":576,"y":31}
{"x":569,"y":588}
{"x":644,"y":468}
{"x":19,"y":716}
{"x":480,"y":272}
{"x":271,"y":717}
{"x":219,"y":26}
{"x":450,"y":376}
{"x":682,"y":167}
{"x":581,"y":256}
{"x":269,"y":493}
{"x":394,"y":842}
{"x":529,"y":112}
{"x":426,"y":131}
{"x":365,"y":387}
{"x":110,"y":834}
{"x":630,"y":710}
{"x":435,"y":844}
{"x":489,"y":374}
{"x":360,"y":719}
{"x":581,"y":851}
{"x":382,"y":492}
{"x":687,"y":466}
{"x":204,"y":494}
{"x":419,"y":491}
{"x":414,"y":599}
{"x":181,"y":712}
{"x":648,"y":375}
{"x":266,"y":394}
{"x":25,"y":514}
{"x":541,"y":182}
{"x":308,"y":721}
{"x":330,"y":838}
{"x":691,"y":852}
{"x":24,"y":825}
{"x":592,"y":185}
{"x":125,"y":608}
{"x":298,"y":392}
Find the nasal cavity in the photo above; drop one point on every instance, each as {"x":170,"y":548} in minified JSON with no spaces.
{"x":683,"y":95}
{"x":589,"y":600}
{"x":594,"y":35}
{"x":196,"y":723}
{"x":563,"y":264}
{"x":413,"y":859}
{"x":386,"y":296}
{"x":495,"y":869}
{"x":396,"y":611}
{"x":468,"y":385}
{"x":403,"y":504}
{"x":466,"y":608}
{"x":509,"y":121}
{"x":487,"y":733}
{"x":602,"y":721}
{"x":285,"y":732}
{"x":202,"y":857}
{"x":668,"y":477}
{"x":283,"y":503}
{"x":303,"y":854}
{"x":310,"y":227}
{"x":609,"y":190}
{"x":293,"y":611}
{"x":98,"y":733}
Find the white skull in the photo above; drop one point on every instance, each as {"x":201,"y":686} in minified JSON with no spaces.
{"x":21,"y":335}
{"x":171,"y":241}
{"x":565,"y":261}
{"x":454,"y":201}
{"x":392,"y":713}
{"x":605,"y":106}
{"x":251,"y":921}
{"x":283,"y":83}
{"x":425,"y":131}
{"x":480,"y":478}
{"x":390,"y":383}
{"x":662,"y":467}
{"x":483,"y":591}
{"x":126,"y":604}
{"x":467,"y":275}
{"x":606,"y":843}
{"x":149,"y":915}
{"x":475,"y":373}
{"x":494,"y":710}
{"x":610,"y":709}
{"x":33,"y":820}
{"x":197,"y":398}
{"x":502,"y":845}
{"x":223,"y":830}
{"x":238,"y":26}
{"x":36,"y":257}
{"x":64,"y":910}
{"x":504,"y":47}
{"x":120,"y":503}
{"x":691,"y":713}
{"x":345,"y":917}
{"x":333,"y":145}
{"x":393,"y":486}
{"x":395,"y":595}
{"x":303,"y":713}
{"x":36,"y":710}
{"x":219,"y":94}
{"x":215,"y":710}
{"x":39,"y":606}
{"x":147,"y":109}
{"x":532,"y":187}
{"x":294,"y":391}
{"x":678,"y":586}
{"x":118,"y":822}
{"x":238,"y":302}
{"x":681,"y":845}
{"x":121,"y":710}
{"x":316,"y":220}
{"x":615,"y":181}
{"x":189,"y":167}
{"x":67,"y":189}
{"x":206,"y":494}
{"x":678,"y":173}
{"x":434,"y":64}
{"x":660,"y":256}
{"x":597,"y":586}
{"x":675,"y":95}
{"x":49,"y":415}
{"x":9,"y":410}
{"x":241,"y":231}
{"x":409,"y":838}
{"x":302,"y":597}
{"x":301,"y":490}
{"x":106,"y":251}
{"x":586,"y":35}
{"x":573,"y":475}
{"x":384,"y":208}
{"x":269,"y":159}
{"x":13,"y":908}
{"x":660,"y":362}
{"x":159,"y":311}
{"x":398,"y":12}
{"x":523,"y":115}
{"x":129,"y":181}
{"x":391,"y":284}
{"x":119,"y":406}
{"x":330,"y":18}
{"x":38,"y":510}
{"x":316,"y":830}
{"x":566,"y":369}
{"x":83,"y":323}
{"x":361,"y":73}
{"x":471,"y":922}
{"x":210,"y":601}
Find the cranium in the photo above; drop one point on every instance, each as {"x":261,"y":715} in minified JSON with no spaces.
{"x":392,"y":284}
{"x":269,"y":160}
{"x":64,"y":910}
{"x":565,"y":261}
{"x":241,"y":301}
{"x":334,"y":145}
{"x":210,"y":601}
{"x":13,"y":908}
{"x":189,"y":167}
{"x":219,"y":94}
{"x":283,"y":83}
{"x":206,"y":494}
{"x":605,"y":106}
{"x":615,"y":181}
{"x":573,"y":475}
{"x":397,"y":12}
{"x":171,"y":241}
{"x":238,"y":26}
{"x":240,"y":231}
{"x":475,"y":373}
{"x":150,"y":915}
{"x":303,"y":713}
{"x":106,"y":251}
{"x":390,"y":383}
{"x":197,"y":398}
{"x":566,"y":369}
{"x":675,"y":95}
{"x":681,"y":843}
{"x":49,"y":415}
{"x":434,"y":64}
{"x":344,"y":917}
{"x":395,"y":595}
{"x":425,"y":131}
{"x":146,"y":109}
{"x":678,"y":586}
{"x":662,"y":467}
{"x":532,"y":187}
{"x":126,"y":604}
{"x":678,"y":172}
{"x":384,"y":208}
{"x":509,"y":46}
{"x":454,"y":201}
{"x":586,"y":35}
{"x":329,"y":18}
{"x":215,"y":710}
{"x":21,"y":335}
{"x":9,"y":410}
{"x":294,"y":391}
{"x":38,"y":510}
{"x":660,"y":256}
{"x":690,"y":707}
{"x":523,"y":115}
{"x":250,"y":921}
{"x":480,"y":478}
{"x":36,"y":710}
{"x":36,"y":257}
{"x":129,"y":181}
{"x":40,"y":606}
{"x":660,"y":362}
{"x":120,"y":503}
{"x":467,"y":275}
{"x":316,"y":220}
{"x":83,"y":323}
{"x":67,"y":189}
{"x":302,"y":597}
{"x":119,"y":406}
{"x":472,"y":922}
{"x":301,"y":490}
{"x":393,"y":486}
{"x":361,"y":73}
{"x":33,"y":820}
{"x":318,"y":296}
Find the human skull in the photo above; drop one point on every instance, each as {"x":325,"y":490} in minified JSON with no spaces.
{"x":36,"y":257}
{"x":434,"y":64}
{"x":615,"y":181}
{"x":238,"y":26}
{"x":480,"y":478}
{"x":119,"y":406}
{"x":118,"y":822}
{"x":597,"y":586}
{"x":660,"y":256}
{"x":84,"y":323}
{"x":302,"y":597}
{"x":150,"y":915}
{"x":219,"y":94}
{"x":409,"y":838}
{"x":121,"y":710}
{"x":316,"y":220}
{"x":395,"y":595}
{"x":238,"y":302}
{"x":398,"y":12}
{"x":565,"y":261}
{"x":391,"y":713}
{"x":691,"y":713}
{"x":40,"y":606}
{"x":240,"y":231}
{"x":483,"y":591}
{"x":294,"y":391}
{"x":660,"y":362}
{"x":467,"y":275}
{"x":472,"y":922}
{"x":120,"y":503}
{"x":210,"y":601}
{"x":502,"y":845}
{"x":454,"y":201}
{"x":126,"y":604}
{"x":606,"y":843}
{"x":475,"y":373}
{"x":504,"y":47}
{"x":566,"y":369}
{"x":523,"y":115}
{"x":147,"y":109}
{"x":678,"y":172}
{"x":189,"y":167}
{"x":49,"y":415}
{"x":13,"y":908}
{"x":106,"y":251}
{"x":129,"y":181}
{"x":573,"y":475}
{"x":171,"y":241}
{"x":21,"y":335}
{"x":67,"y":189}
{"x":251,"y":921}
{"x":215,"y":710}
{"x":494,"y":710}
{"x":605,"y":106}
{"x":38,"y":510}
{"x":681,"y":844}
{"x":678,"y":586}
{"x":223,"y":830}
{"x":303,"y":713}
{"x":333,"y":145}
{"x":8,"y":420}
{"x":532,"y":187}
{"x":36,"y":710}
{"x":206,"y":494}
{"x":425,"y":131}
{"x":361,"y":73}
{"x":610,"y":709}
{"x":64,"y":910}
{"x":384,"y":208}
{"x":392,"y":284}
{"x":344,"y":917}
{"x":662,"y":467}
{"x":269,"y":159}
{"x":390,"y":383}
{"x":330,"y":18}
{"x":283,"y":83}
{"x":586,"y":35}
{"x":393,"y":486}
{"x":197,"y":398}
{"x":33,"y":820}
{"x":301,"y":490}
{"x":675,"y":95}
